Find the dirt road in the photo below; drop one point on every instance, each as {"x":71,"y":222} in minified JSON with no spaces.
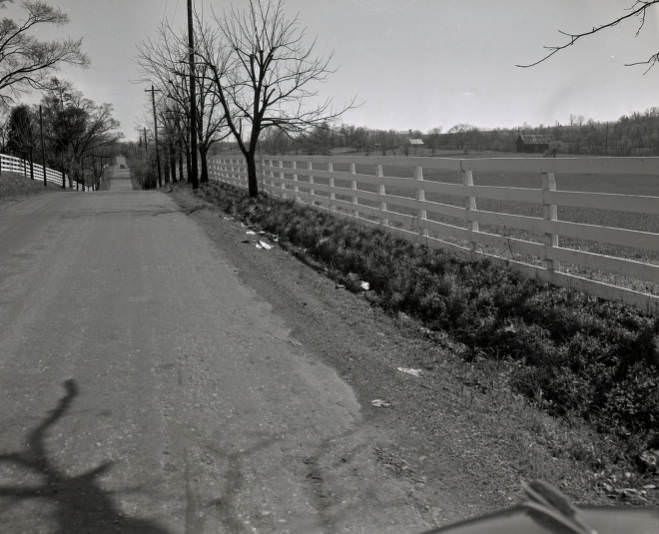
{"x":146,"y":387}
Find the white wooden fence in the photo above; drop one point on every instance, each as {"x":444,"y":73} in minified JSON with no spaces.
{"x":22,"y":166}
{"x":400,"y":205}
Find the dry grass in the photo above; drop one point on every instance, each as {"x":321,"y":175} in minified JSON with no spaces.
{"x":16,"y":185}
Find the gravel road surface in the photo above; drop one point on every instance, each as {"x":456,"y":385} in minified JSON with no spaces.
{"x":146,"y":388}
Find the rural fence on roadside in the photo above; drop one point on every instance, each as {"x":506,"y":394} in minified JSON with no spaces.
{"x":598,"y":232}
{"x":33,"y":170}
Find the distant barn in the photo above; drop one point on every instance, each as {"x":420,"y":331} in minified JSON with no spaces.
{"x":532,"y":143}
{"x":413,"y":143}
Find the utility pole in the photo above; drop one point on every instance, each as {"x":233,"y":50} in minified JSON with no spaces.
{"x":146,"y":143}
{"x":43,"y":151}
{"x":61,"y":155}
{"x":194,"y":179}
{"x":155,"y":130}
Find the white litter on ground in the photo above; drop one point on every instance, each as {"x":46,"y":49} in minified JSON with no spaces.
{"x":365,"y":285}
{"x":379,"y":403}
{"x":410,"y":371}
{"x":265,"y":245}
{"x":250,"y":232}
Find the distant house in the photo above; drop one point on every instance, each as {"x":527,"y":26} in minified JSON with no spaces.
{"x":532,"y":143}
{"x":413,"y":143}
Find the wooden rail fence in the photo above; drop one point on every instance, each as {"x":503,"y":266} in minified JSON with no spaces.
{"x":22,"y":166}
{"x":529,"y":244}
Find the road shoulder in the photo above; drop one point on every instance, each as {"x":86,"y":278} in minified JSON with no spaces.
{"x":445,"y":432}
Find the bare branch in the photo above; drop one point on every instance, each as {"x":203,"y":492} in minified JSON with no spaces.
{"x":637,"y":9}
{"x":27,"y":62}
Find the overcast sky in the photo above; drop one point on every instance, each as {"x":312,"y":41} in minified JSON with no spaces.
{"x":414,"y":64}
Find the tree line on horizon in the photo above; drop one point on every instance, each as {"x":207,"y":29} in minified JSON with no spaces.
{"x":636,"y":134}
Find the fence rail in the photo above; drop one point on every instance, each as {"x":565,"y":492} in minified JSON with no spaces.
{"x":581,"y":255}
{"x":34,"y":170}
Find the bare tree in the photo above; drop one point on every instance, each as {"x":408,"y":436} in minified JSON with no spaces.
{"x":80,"y":127}
{"x":27,"y":62}
{"x":264,"y":75}
{"x":638,"y":10}
{"x":163,"y":60}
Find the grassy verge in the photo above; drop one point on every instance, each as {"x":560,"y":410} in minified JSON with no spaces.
{"x":573,"y":355}
{"x":13,"y":185}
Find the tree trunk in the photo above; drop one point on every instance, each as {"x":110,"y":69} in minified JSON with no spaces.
{"x":180,"y":164}
{"x":252,"y":180}
{"x":203,"y":155}
{"x":172,"y":162}
{"x":188,"y":163}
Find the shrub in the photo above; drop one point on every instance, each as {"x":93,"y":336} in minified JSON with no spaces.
{"x":571,"y":353}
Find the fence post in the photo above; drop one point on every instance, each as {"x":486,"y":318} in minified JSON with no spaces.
{"x":264,"y":184}
{"x":470,"y":207}
{"x":421,"y":199}
{"x":312,"y":191}
{"x":332,"y":185}
{"x":296,"y":187}
{"x":550,"y":213}
{"x":382,"y":191}
{"x":282,"y":176}
{"x":271,"y":174}
{"x":353,"y":187}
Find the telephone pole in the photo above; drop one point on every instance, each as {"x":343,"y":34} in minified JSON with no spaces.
{"x":155,"y":130}
{"x":43,"y":150}
{"x":194,"y":179}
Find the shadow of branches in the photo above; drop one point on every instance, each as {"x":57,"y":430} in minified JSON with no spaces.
{"x":81,"y":504}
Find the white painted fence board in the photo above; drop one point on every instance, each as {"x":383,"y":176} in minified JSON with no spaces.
{"x":510,"y":245}
{"x":517,"y":194}
{"x":607,"y":234}
{"x":602,"y":262}
{"x":445,"y":188}
{"x":446,"y":229}
{"x":619,"y":166}
{"x":645,"y":301}
{"x":447,"y":164}
{"x":395,"y":200}
{"x":459,"y":212}
{"x":605,"y":201}
{"x":522,"y":222}
{"x":415,"y":226}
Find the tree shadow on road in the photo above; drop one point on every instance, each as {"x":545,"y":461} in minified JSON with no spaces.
{"x":81,"y":504}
